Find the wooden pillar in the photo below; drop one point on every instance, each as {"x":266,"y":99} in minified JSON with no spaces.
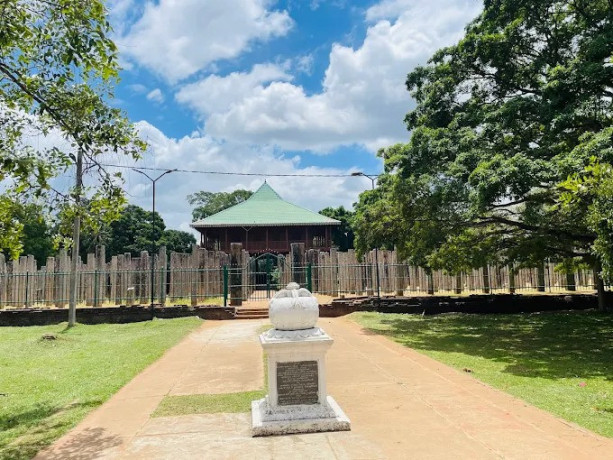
{"x":307,"y":245}
{"x":511,"y":270}
{"x":287,"y":237}
{"x":236,"y":272}
{"x":267,"y":244}
{"x":225,"y":246}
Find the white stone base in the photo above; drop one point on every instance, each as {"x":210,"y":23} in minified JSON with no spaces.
{"x":298,"y":419}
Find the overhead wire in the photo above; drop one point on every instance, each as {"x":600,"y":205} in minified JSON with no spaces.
{"x":227,"y":173}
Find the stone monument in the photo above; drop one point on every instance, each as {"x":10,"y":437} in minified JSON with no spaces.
{"x":297,"y":401}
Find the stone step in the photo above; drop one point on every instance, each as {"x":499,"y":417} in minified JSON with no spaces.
{"x":251,"y":313}
{"x":250,"y":317}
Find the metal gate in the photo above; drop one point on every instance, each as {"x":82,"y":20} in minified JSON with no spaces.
{"x":260,"y":277}
{"x":266,"y":274}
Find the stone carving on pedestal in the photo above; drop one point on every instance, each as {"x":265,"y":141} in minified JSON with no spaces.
{"x":297,"y":401}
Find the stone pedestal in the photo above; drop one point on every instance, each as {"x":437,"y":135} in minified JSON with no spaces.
{"x":297,"y":400}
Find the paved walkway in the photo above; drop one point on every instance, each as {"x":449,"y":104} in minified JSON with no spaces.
{"x":401,"y":405}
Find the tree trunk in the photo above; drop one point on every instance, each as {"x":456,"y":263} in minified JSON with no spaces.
{"x":541,"y":277}
{"x":602,"y":302}
{"x":72,"y":304}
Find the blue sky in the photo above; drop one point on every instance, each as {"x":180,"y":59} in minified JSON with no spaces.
{"x":258,"y":86}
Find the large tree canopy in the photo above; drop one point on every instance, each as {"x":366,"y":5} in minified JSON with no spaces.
{"x":133,"y":232}
{"x":57,"y":70}
{"x":503,"y":118}
{"x":342,"y":235}
{"x":209,"y":203}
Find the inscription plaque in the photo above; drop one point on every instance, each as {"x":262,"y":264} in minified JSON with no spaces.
{"x":297,"y":383}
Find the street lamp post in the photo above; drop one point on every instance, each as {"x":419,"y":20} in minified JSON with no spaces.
{"x":153,"y":182}
{"x":372,"y":182}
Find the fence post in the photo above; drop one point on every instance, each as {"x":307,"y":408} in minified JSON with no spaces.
{"x":27,"y":299}
{"x":225,"y":285}
{"x":268,"y":274}
{"x":511,"y":279}
{"x":309,"y":280}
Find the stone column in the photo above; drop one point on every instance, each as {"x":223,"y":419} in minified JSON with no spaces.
{"x":297,"y":257}
{"x":236,"y":274}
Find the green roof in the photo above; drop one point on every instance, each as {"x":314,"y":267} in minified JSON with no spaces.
{"x":264,"y":208}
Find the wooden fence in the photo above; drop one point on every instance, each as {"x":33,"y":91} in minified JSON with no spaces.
{"x":202,"y":277}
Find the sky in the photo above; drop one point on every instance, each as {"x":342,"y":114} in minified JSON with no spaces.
{"x":265,"y":87}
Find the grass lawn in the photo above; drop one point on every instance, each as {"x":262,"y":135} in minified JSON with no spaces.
{"x":207,"y":404}
{"x":214,"y":403}
{"x":48,"y":386}
{"x":560,"y":362}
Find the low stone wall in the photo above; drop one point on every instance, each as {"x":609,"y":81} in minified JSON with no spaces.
{"x":121,"y":314}
{"x":433,"y":305}
{"x":481,"y":304}
{"x":337,"y":308}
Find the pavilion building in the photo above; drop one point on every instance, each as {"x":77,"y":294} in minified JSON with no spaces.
{"x":265,"y":223}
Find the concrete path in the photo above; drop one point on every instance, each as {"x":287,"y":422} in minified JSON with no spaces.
{"x":401,"y":405}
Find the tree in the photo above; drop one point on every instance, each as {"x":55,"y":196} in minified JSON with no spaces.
{"x":502,"y":119}
{"x":592,"y":191}
{"x":57,"y":70}
{"x":37,"y":235}
{"x":177,"y":241}
{"x":209,"y":203}
{"x":342,"y":235}
{"x":133,"y":232}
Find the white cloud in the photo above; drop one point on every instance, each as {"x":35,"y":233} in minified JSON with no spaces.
{"x":363,"y":99}
{"x":215,"y":94}
{"x":204,"y":153}
{"x":138,"y":88}
{"x":156,"y":96}
{"x":178,"y":38}
{"x":304,"y":64}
